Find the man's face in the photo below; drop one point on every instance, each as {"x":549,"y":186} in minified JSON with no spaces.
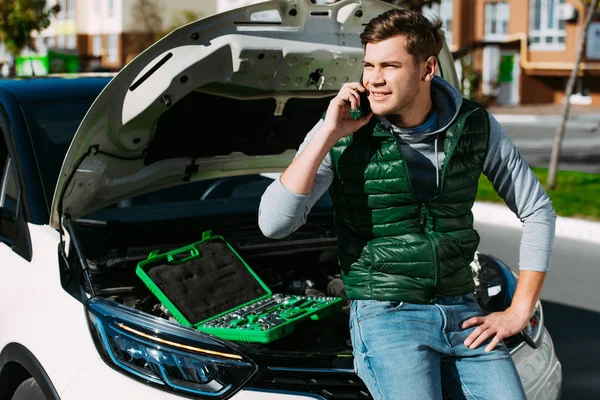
{"x":391,"y":75}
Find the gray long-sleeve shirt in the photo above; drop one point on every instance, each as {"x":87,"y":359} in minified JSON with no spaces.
{"x":282,"y":211}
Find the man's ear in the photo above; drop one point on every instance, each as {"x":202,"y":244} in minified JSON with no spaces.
{"x":430,"y":68}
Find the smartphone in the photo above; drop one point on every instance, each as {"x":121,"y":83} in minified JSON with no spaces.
{"x":365,"y":106}
{"x":363,"y":109}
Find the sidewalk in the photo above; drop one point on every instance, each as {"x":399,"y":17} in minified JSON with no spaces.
{"x":569,"y":228}
{"x":584,"y":116}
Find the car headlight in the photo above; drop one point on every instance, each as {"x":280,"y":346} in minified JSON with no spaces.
{"x":169,"y":356}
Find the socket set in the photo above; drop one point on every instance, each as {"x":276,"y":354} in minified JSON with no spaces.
{"x":270,"y":319}
{"x":206,"y":285}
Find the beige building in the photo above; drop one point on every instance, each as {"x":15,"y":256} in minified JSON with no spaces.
{"x":108,"y":33}
{"x":526,"y":49}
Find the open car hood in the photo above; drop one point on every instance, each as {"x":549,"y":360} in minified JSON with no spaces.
{"x":231,"y":94}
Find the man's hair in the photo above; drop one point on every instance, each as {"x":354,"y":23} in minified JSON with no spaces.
{"x":424,"y":37}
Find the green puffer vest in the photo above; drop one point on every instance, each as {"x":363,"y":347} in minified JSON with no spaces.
{"x":391,"y":245}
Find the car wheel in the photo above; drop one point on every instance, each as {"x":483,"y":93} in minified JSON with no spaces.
{"x":29,"y":390}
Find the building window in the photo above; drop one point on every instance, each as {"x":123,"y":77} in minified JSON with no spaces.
{"x":71,"y":41}
{"x":111,"y":8}
{"x":443,"y":11}
{"x":112,"y":54}
{"x":60,"y":43}
{"x":98,"y":7}
{"x":97,"y":45}
{"x":546,"y":30}
{"x":496,"y":19}
{"x":70,"y":9}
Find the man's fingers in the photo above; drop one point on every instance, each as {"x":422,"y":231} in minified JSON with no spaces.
{"x":493,"y":343}
{"x":474,"y":335}
{"x":351,"y":96}
{"x":354,"y":99}
{"x":356,"y":86}
{"x":472,"y":322}
{"x":485,"y":335}
{"x":350,"y":92}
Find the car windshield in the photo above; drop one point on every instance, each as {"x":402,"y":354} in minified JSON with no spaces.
{"x":52,"y":125}
{"x":218,"y":197}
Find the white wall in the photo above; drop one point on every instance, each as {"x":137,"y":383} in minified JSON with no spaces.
{"x":93,"y":17}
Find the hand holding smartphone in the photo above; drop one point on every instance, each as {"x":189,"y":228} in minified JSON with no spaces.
{"x":363,"y":109}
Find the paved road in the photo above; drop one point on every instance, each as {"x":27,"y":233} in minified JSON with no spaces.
{"x":571,"y":299}
{"x":581,"y":146}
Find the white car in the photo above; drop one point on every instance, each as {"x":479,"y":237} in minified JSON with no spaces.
{"x":99,"y":172}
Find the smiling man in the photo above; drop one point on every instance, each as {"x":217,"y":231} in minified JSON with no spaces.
{"x":403,"y":180}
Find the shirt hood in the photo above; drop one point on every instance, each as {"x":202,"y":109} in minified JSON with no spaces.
{"x":447,"y":101}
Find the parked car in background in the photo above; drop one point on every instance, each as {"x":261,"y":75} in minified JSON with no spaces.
{"x":99,"y":171}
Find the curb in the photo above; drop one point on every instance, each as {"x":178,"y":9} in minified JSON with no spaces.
{"x":569,"y":228}
{"x":517,"y":118}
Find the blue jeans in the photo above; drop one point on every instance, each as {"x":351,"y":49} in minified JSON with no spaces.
{"x":408,"y":351}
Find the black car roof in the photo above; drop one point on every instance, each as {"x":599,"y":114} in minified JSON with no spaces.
{"x":55,"y":86}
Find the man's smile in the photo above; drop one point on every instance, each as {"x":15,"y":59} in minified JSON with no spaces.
{"x":379,"y":95}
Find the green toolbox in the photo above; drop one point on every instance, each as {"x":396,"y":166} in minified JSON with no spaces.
{"x":208,"y":286}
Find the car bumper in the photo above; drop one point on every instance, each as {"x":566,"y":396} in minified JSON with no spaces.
{"x":99,"y":381}
{"x":540,"y":369}
{"x":540,"y":372}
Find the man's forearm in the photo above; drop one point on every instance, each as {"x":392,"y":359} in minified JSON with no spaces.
{"x":529,"y":289}
{"x":299,"y":176}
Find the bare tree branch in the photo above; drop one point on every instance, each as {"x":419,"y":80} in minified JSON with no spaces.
{"x":560,"y":133}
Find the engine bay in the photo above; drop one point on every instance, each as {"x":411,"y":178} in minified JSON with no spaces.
{"x":302,"y":265}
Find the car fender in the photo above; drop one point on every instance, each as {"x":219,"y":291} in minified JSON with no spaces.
{"x":40,"y":315}
{"x":19,"y":354}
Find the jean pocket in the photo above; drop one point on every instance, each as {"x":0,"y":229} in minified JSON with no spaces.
{"x":367,"y":309}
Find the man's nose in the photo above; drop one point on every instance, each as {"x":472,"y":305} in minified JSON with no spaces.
{"x":376,"y":78}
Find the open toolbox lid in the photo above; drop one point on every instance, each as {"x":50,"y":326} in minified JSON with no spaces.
{"x":212,"y":280}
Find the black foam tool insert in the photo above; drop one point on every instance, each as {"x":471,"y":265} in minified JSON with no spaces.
{"x":213,"y":283}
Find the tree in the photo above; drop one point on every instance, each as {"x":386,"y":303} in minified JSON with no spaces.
{"x":184,"y":17}
{"x":151,"y":25}
{"x":18,"y":20}
{"x":560,"y":133}
{"x":149,"y":14}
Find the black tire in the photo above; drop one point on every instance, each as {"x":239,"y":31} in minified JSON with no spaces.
{"x":29,"y":390}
